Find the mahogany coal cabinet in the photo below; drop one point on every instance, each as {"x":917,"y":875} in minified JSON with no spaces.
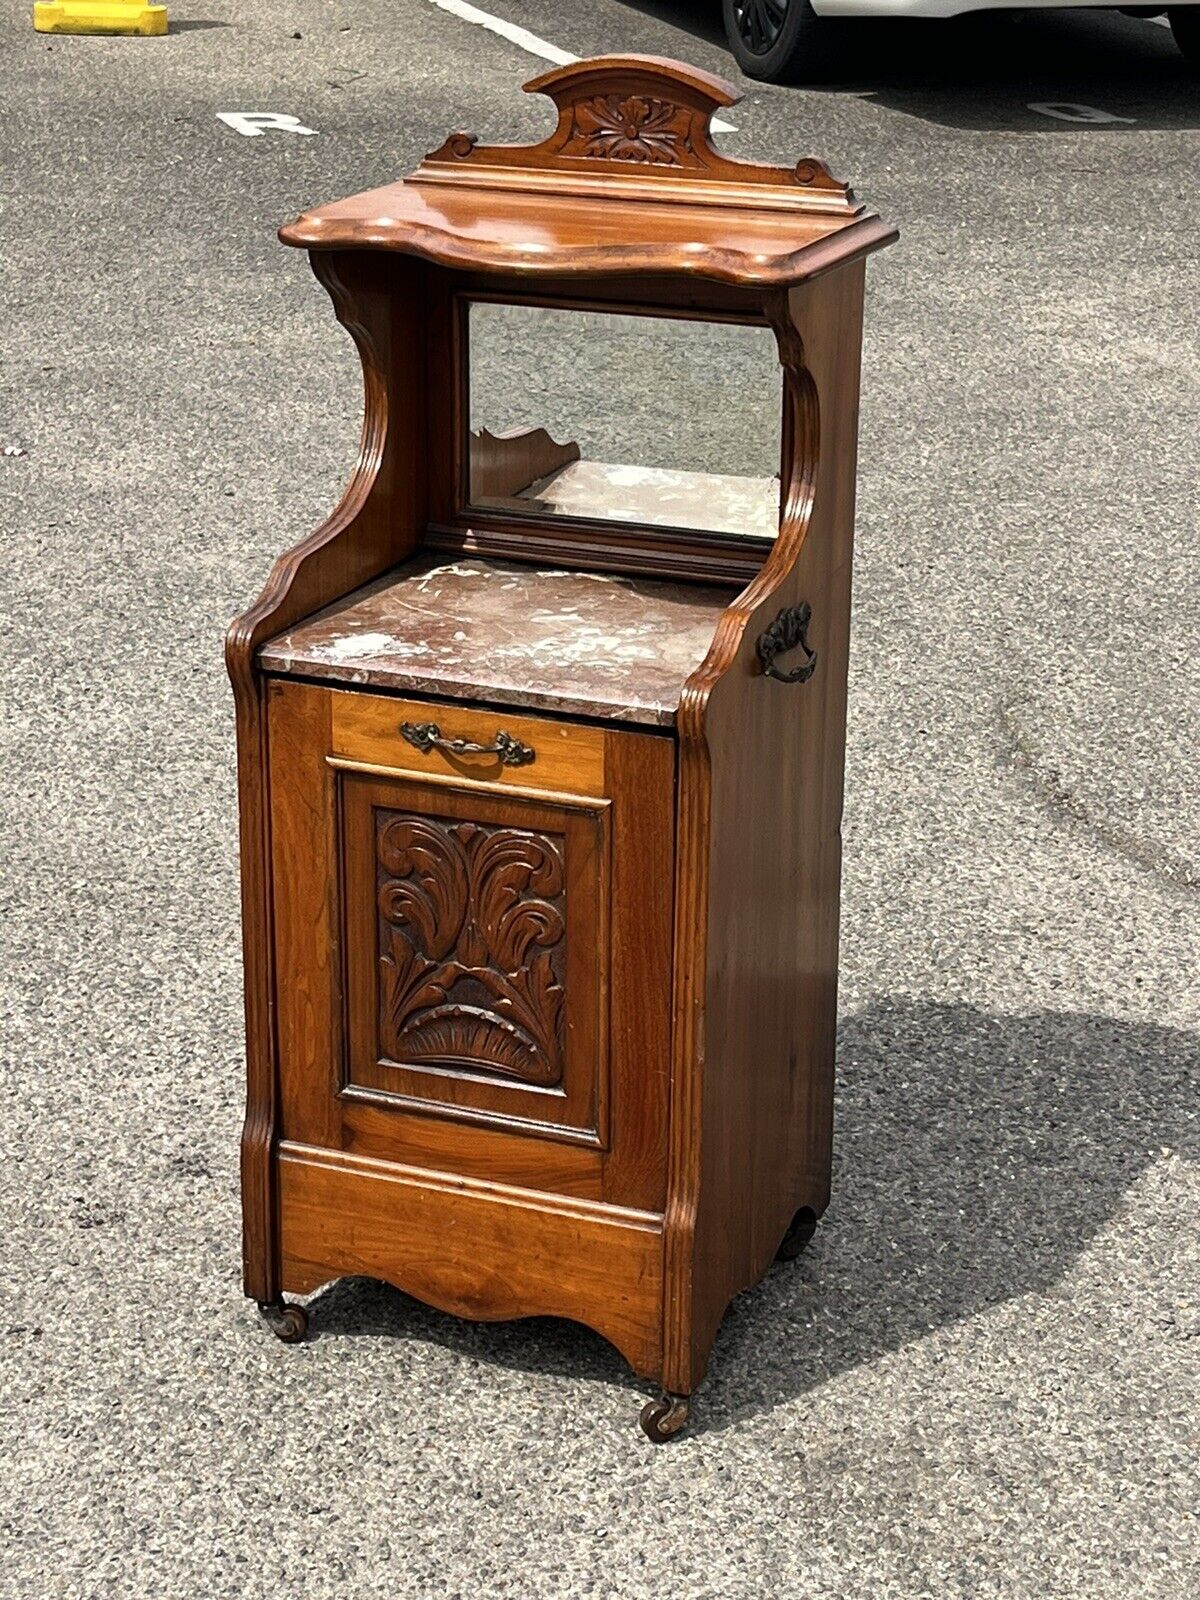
{"x":540,"y":736}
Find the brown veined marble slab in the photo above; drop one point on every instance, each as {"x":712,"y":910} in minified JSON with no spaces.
{"x":593,"y":644}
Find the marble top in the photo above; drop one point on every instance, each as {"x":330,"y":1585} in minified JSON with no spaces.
{"x":590,"y":643}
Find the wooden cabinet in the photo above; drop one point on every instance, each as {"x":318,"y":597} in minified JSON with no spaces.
{"x":540,"y":753}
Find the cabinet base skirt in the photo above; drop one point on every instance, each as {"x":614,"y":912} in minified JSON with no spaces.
{"x":488,"y":1252}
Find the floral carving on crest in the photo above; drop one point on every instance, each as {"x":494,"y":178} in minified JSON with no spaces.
{"x":631,"y":127}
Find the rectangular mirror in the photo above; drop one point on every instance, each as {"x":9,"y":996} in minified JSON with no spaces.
{"x":658,"y":421}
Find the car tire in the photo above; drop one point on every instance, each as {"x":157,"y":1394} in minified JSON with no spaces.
{"x":781,"y":41}
{"x":1185,"y":25}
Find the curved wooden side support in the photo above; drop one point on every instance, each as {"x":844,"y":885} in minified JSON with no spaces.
{"x":375,"y":523}
{"x":760,"y":794}
{"x":373,"y":527}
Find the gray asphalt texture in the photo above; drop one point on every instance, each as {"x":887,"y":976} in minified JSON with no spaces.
{"x":981,"y":1379}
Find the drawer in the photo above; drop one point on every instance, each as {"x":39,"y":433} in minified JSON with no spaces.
{"x":567,"y":758}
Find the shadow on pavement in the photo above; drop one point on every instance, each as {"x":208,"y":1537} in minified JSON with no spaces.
{"x":982,"y":72}
{"x":977,"y":1156}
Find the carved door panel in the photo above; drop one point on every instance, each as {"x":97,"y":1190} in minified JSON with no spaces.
{"x":476,"y":953}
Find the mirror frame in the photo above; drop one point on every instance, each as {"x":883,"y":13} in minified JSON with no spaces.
{"x":604,"y":544}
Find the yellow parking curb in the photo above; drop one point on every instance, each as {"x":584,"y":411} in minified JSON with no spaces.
{"x":99,"y":16}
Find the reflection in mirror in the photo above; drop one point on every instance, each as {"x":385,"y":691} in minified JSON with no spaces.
{"x":603,"y":415}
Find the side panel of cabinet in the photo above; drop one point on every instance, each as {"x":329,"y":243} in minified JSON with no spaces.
{"x":764,"y":864}
{"x":472,"y":976}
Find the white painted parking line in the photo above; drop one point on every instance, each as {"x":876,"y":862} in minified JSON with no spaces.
{"x":525,"y":40}
{"x":1069,"y":111}
{"x":255,"y":123}
{"x":508,"y":30}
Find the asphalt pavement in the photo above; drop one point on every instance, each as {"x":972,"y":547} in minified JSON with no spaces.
{"x":981,"y":1378}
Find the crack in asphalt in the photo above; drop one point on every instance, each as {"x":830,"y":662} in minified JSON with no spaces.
{"x":1025,"y":755}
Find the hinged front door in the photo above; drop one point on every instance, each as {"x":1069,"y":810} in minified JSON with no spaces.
{"x":473,"y":959}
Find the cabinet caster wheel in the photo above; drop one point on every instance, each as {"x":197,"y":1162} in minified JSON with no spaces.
{"x":286,"y":1322}
{"x":662,"y":1419}
{"x":801,"y":1229}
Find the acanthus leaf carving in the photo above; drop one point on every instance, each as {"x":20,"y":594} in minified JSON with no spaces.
{"x":471,"y":947}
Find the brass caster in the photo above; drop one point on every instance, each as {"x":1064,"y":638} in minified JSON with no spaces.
{"x":801,"y":1229}
{"x":286,"y":1322}
{"x":662,"y":1419}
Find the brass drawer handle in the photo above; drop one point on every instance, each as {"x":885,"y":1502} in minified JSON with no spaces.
{"x":427,"y":736}
{"x":789,"y":629}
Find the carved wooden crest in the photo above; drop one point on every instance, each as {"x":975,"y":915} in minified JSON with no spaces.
{"x":623,"y":120}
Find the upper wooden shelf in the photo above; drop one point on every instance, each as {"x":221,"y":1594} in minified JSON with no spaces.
{"x":629,"y":182}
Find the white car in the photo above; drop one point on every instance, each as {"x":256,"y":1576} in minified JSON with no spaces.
{"x":788,"y":40}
